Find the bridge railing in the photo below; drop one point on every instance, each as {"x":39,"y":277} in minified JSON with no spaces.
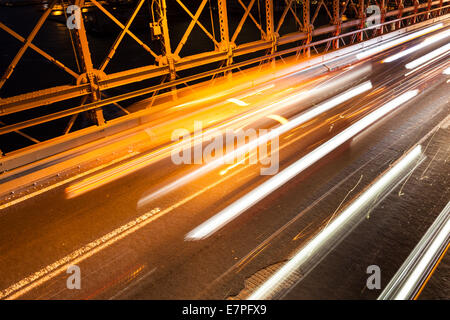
{"x":233,"y":34}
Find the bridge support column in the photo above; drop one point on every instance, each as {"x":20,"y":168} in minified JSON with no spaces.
{"x":307,"y":27}
{"x":398,"y":25}
{"x":362,"y":17}
{"x":270,"y":33}
{"x":439,"y":12}
{"x":383,"y":16}
{"x":84,"y":55}
{"x":336,"y":22}
{"x":416,"y":9}
{"x":224,"y":33}
{"x":169,"y":58}
{"x":428,"y":16}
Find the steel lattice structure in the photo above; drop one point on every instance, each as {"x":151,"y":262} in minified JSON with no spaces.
{"x":319,"y":26}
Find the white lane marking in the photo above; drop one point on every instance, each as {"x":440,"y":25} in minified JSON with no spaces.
{"x":238,"y":102}
{"x":76,"y":256}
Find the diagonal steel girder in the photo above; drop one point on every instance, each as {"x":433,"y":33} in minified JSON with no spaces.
{"x":131,"y":34}
{"x":283,"y":16}
{"x":242,"y":21}
{"x":316,"y":13}
{"x":253,"y":19}
{"x":151,"y":71}
{"x":27,"y":43}
{"x":113,"y":49}
{"x":44,"y":54}
{"x":210,"y":36}
{"x":188,"y":31}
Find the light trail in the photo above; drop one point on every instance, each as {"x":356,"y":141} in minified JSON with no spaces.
{"x":234,"y":210}
{"x":412,"y":274}
{"x":63,"y":182}
{"x":396,"y":42}
{"x":302,"y":118}
{"x":429,"y":56}
{"x":54,"y":269}
{"x":257,"y":91}
{"x":425,"y":43}
{"x":421,"y":67}
{"x":123,"y":170}
{"x":328,"y":235}
{"x":134,"y":165}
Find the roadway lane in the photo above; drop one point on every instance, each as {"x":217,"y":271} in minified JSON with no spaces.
{"x":437,"y":287}
{"x":121,"y":257}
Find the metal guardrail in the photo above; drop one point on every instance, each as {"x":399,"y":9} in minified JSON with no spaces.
{"x":23,"y":160}
{"x":142,"y":92}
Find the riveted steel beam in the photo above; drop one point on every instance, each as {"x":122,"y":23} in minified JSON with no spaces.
{"x":92,"y":81}
{"x":84,"y":56}
{"x":307,"y":26}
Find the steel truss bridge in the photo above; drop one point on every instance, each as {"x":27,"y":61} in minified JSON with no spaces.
{"x":351,"y":96}
{"x":286,"y":27}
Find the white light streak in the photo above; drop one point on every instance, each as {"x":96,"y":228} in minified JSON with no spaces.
{"x":413,"y":273}
{"x":396,"y":42}
{"x":327,"y":235}
{"x":427,"y":57}
{"x":235,"y":209}
{"x":446,"y":71}
{"x":424,"y":44}
{"x":420,"y":269}
{"x":302,"y":118}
